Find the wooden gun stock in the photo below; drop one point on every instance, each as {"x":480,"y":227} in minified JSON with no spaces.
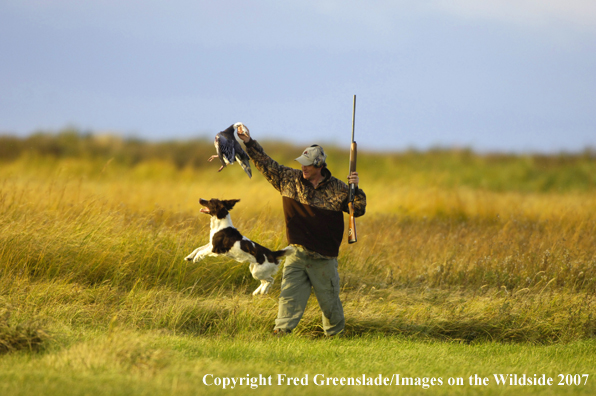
{"x":352,"y":237}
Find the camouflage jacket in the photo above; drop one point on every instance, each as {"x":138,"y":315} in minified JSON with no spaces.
{"x":313,"y":216}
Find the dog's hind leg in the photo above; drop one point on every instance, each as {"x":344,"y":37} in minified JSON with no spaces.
{"x":262,"y":289}
{"x":258,"y":289}
{"x":265,"y":286}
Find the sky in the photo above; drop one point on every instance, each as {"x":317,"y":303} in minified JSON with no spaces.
{"x":490,"y":75}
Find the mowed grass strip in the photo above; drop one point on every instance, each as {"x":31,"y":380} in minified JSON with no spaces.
{"x":149,"y":363}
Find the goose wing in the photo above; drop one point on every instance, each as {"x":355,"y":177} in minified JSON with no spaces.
{"x":242,"y":158}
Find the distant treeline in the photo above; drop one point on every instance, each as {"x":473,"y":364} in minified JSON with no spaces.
{"x":75,"y":144}
{"x":442,"y":167}
{"x":72,"y":143}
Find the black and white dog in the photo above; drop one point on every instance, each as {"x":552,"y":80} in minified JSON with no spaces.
{"x":226,"y":240}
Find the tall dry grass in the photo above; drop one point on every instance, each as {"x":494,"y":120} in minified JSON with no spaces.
{"x":447,"y":248}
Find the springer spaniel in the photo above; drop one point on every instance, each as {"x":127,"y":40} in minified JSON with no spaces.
{"x":226,"y":240}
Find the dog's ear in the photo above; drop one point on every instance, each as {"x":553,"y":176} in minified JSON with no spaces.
{"x":229,"y":203}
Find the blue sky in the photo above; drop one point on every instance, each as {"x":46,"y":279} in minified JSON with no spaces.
{"x":508,"y":75}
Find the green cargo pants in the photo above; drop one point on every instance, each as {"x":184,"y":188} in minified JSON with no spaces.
{"x":301,"y":272}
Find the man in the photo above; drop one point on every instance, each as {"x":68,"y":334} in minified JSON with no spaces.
{"x":313,"y":203}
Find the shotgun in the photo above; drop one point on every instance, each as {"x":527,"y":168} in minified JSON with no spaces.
{"x":352,"y":238}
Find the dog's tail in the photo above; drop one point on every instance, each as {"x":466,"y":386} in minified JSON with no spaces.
{"x":283,"y":252}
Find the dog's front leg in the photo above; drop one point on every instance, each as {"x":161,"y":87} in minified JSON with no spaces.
{"x":191,"y":256}
{"x":206,"y":250}
{"x":199,"y":253}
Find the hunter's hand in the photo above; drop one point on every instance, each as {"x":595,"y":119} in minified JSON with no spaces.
{"x":243,"y":132}
{"x":353,"y":178}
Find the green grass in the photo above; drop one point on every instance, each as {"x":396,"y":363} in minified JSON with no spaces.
{"x":153,"y":363}
{"x":466,"y":264}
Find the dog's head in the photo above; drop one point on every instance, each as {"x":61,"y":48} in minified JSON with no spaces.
{"x":217,"y":207}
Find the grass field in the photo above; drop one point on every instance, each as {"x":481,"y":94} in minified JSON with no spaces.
{"x":466,"y":264}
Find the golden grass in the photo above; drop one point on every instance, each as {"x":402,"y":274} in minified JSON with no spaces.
{"x":94,"y":243}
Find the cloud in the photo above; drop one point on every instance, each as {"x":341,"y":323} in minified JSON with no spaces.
{"x":374,"y":13}
{"x":581,"y":13}
{"x":533,"y":13}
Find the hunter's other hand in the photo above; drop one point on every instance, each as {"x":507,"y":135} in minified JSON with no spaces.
{"x":243,"y":132}
{"x":353,"y":178}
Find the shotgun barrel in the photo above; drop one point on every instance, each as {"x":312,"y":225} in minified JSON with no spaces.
{"x":352,"y":237}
